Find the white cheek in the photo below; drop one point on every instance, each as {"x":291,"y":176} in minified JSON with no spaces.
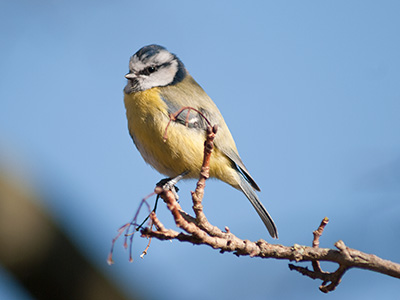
{"x":162,"y":77}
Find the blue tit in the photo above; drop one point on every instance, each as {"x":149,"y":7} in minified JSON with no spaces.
{"x":158,"y":86}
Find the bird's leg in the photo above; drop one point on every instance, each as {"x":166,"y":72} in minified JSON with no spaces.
{"x":154,"y":210}
{"x":169,"y":184}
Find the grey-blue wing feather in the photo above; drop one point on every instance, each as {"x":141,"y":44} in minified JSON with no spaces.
{"x":259,"y":207}
{"x":234,"y":156}
{"x":188,"y":117}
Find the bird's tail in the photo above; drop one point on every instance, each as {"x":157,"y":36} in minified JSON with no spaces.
{"x":261,"y":210}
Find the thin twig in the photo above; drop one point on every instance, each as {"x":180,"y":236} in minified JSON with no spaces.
{"x":317,"y":234}
{"x":333,"y":277}
{"x":146,"y":249}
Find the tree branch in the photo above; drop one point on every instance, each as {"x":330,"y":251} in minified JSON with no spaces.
{"x":199,"y":231}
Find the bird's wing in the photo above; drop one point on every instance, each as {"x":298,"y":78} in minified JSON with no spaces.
{"x":179,"y":96}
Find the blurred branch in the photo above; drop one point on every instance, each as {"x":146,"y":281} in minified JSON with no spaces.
{"x":39,"y":255}
{"x":199,"y":231}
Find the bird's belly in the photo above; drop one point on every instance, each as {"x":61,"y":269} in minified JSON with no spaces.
{"x":179,"y":152}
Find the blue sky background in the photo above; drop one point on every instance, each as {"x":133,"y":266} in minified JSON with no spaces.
{"x":309,"y":89}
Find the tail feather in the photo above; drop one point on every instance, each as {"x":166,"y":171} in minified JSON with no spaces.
{"x":261,"y":210}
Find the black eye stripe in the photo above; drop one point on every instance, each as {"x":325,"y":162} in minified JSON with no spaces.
{"x":147,"y":71}
{"x":151,"y":69}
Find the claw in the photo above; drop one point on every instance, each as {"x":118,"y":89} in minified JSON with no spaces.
{"x":169,"y":184}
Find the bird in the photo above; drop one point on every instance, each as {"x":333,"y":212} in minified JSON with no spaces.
{"x":158,"y":86}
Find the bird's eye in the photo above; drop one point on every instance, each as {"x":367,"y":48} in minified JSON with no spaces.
{"x":150,"y":70}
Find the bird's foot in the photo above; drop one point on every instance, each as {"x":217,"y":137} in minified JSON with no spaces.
{"x":169,"y":184}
